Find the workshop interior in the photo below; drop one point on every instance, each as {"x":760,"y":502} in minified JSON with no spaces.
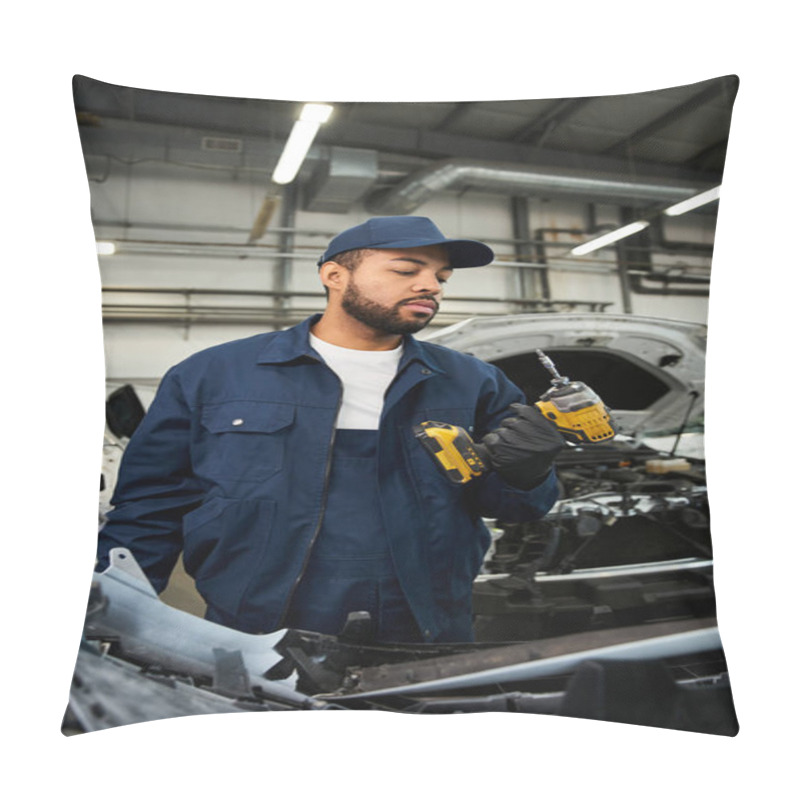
{"x":601,"y":212}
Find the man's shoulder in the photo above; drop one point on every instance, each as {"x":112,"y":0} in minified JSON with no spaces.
{"x":276,"y":346}
{"x":225,"y":351}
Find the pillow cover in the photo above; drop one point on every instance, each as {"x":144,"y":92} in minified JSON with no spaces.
{"x":603,"y":608}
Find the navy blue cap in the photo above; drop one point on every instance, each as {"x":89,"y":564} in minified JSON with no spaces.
{"x":398,"y":233}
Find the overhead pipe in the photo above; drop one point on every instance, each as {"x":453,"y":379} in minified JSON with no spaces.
{"x":281,"y":275}
{"x":660,"y":241}
{"x":531,"y":284}
{"x":631,"y":282}
{"x":519,"y":179}
{"x":287,"y":317}
{"x":623,"y":264}
{"x":637,"y":285}
{"x":164,"y":248}
{"x":142,"y":247}
{"x":118,"y":309}
{"x":540,"y":245}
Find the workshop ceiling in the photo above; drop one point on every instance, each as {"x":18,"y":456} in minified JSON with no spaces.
{"x":676,"y":135}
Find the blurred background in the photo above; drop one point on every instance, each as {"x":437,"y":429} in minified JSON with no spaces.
{"x":209,"y":225}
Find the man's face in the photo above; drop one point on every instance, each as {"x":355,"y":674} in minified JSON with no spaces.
{"x":397,"y":291}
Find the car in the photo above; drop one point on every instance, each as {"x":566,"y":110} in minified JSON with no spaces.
{"x":628,"y":541}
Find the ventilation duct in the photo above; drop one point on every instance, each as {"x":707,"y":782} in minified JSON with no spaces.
{"x":341,"y":179}
{"x":516,"y":179}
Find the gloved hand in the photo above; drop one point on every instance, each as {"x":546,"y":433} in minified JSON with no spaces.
{"x":523,"y":448}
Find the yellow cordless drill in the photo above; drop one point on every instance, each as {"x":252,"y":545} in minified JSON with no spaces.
{"x":576,"y":410}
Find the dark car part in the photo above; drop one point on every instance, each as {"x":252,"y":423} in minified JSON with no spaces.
{"x":124,"y":411}
{"x":623,"y":545}
{"x":143,"y":660}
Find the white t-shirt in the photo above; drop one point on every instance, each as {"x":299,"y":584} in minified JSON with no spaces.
{"x":365,"y":376}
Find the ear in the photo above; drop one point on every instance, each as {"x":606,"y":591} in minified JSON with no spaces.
{"x":333,"y":276}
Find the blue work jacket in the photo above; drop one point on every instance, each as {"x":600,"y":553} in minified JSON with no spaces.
{"x":231,"y":466}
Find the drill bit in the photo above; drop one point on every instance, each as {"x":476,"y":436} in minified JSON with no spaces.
{"x":558,"y":379}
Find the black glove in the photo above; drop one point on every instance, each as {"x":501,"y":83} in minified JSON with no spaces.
{"x":523,"y":448}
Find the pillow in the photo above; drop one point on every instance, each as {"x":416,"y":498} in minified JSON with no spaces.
{"x":590,"y":595}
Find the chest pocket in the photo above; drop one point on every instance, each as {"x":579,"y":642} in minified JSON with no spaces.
{"x":244,"y":440}
{"x":463,"y":417}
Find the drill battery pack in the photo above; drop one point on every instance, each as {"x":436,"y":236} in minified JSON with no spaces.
{"x":453,"y":448}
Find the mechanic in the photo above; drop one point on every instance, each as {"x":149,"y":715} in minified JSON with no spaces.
{"x":285,"y":468}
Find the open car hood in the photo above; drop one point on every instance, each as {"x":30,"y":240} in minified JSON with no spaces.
{"x":650,"y":372}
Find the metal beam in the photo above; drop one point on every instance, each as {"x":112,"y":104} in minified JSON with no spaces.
{"x":165,"y":129}
{"x":697,"y":100}
{"x":233,"y":115}
{"x":454,"y":115}
{"x":711,"y":157}
{"x":541,"y":127}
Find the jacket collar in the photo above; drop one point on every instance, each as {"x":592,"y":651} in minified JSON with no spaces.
{"x":288,"y":345}
{"x":293,"y":344}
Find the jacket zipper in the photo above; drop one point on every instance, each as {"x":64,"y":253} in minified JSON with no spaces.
{"x":320,"y":517}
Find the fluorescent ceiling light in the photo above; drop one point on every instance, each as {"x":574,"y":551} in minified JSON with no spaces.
{"x":299,"y":141}
{"x":693,"y":202}
{"x":316,"y":112}
{"x":106,"y":248}
{"x":608,"y":238}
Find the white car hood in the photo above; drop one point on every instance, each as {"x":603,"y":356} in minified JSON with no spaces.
{"x":650,"y":372}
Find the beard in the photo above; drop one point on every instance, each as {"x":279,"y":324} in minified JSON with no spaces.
{"x":386,"y":319}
